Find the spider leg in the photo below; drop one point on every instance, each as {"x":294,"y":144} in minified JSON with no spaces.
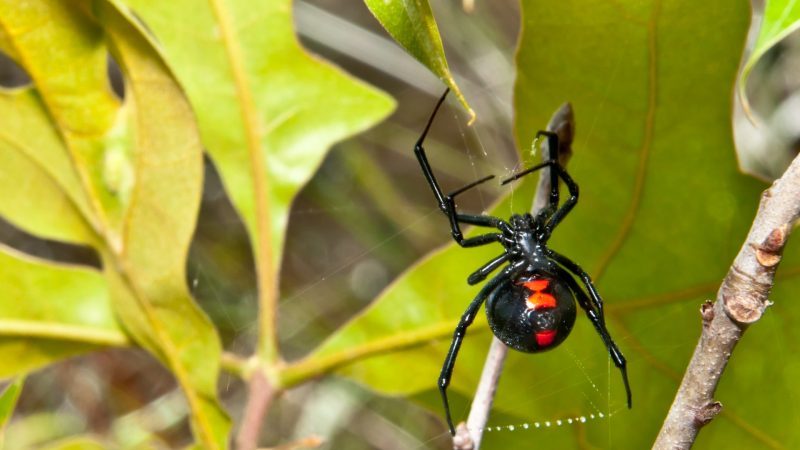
{"x":482,"y":239}
{"x":485,"y":221}
{"x":532,"y":169}
{"x":461,"y":329}
{"x":594,"y":311}
{"x":481,"y":220}
{"x":570,"y":203}
{"x":481,"y":274}
{"x":573,"y":267}
{"x":447,"y":202}
{"x":556,"y":171}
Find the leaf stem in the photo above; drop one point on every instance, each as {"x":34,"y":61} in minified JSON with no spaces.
{"x":262,"y":233}
{"x":61,"y":331}
{"x":236,"y":365}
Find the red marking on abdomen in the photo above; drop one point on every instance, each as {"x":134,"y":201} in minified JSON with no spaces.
{"x":539,"y":299}
{"x":545,"y":338}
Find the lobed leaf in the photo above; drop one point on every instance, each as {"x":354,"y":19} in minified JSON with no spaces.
{"x":130,"y":173}
{"x":267,"y":111}
{"x":151,"y":292}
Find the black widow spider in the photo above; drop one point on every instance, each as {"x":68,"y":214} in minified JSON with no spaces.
{"x":530,"y":304}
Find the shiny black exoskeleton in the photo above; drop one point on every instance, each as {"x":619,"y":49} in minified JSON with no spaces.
{"x":530,"y":304}
{"x":518,"y":323}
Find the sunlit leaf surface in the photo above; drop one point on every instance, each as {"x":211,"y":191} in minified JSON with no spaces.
{"x":267,"y":111}
{"x":50,"y":312}
{"x":663,"y":211}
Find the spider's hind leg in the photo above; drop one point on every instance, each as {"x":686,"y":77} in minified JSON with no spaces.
{"x":594,"y":312}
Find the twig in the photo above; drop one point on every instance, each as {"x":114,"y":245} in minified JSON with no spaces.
{"x":259,"y":397}
{"x":236,"y":365}
{"x":741,"y":300}
{"x":468,"y":437}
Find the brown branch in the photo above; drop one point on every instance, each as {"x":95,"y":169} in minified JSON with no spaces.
{"x":468,"y":436}
{"x":259,"y":398}
{"x":741,"y":300}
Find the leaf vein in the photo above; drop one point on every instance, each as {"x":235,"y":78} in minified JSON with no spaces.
{"x":644,"y":152}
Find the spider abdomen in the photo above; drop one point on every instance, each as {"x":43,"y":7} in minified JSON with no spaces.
{"x":532,"y":313}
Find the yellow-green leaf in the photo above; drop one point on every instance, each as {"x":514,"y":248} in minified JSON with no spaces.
{"x":43,"y":193}
{"x":8,"y":401}
{"x":73,"y":85}
{"x":412,"y":25}
{"x":49,"y":312}
{"x":267,"y":112}
{"x":150,"y":291}
{"x":138,"y":166}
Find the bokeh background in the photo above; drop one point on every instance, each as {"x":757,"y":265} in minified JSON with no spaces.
{"x":365,"y":217}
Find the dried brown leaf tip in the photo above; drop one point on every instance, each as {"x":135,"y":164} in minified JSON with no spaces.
{"x":768,"y":253}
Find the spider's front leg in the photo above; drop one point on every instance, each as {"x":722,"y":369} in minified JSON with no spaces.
{"x":594,"y":312}
{"x":447,"y":202}
{"x":461,"y":330}
{"x":557,"y":171}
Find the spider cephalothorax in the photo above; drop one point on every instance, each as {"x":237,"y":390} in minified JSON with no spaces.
{"x":530,"y":304}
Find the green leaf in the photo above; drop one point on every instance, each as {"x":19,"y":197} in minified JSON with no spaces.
{"x":412,"y":25}
{"x":138,"y":167}
{"x":49,"y":312}
{"x":8,"y":401}
{"x":781,"y":18}
{"x":37,"y":169}
{"x":663,"y":211}
{"x":151,"y":291}
{"x":267,"y":112}
{"x":81,"y":105}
